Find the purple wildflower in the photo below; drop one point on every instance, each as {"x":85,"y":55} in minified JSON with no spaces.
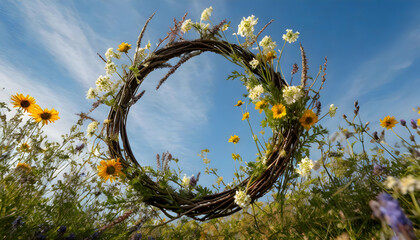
{"x":388,"y":209}
{"x":403,"y":122}
{"x":413,"y":124}
{"x":62,"y":229}
{"x":193,"y":180}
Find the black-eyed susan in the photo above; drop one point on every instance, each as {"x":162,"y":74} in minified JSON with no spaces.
{"x":245,"y":116}
{"x":20,"y":101}
{"x":46,"y":116}
{"x":239,"y":103}
{"x":388,"y":122}
{"x":110,"y":169}
{"x":261,"y":105}
{"x":23,"y":167}
{"x":279,"y":110}
{"x":124,"y":47}
{"x":308,"y":119}
{"x":234,"y":139}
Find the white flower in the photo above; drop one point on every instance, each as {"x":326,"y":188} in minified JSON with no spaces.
{"x":305,"y":167}
{"x":225,"y":27}
{"x":185,"y":181}
{"x":408,"y":184}
{"x":110,"y":67}
{"x":246,"y":27}
{"x":111,"y":54}
{"x":186,"y":25}
{"x":291,"y":94}
{"x":256,"y":92}
{"x":290,"y":36}
{"x":333,"y":110}
{"x":206,"y":14}
{"x":204,"y":26}
{"x":264,"y":160}
{"x":103,"y":83}
{"x":91,"y":129}
{"x":241,"y":199}
{"x":91,"y":93}
{"x":268,"y":44}
{"x":391,"y":182}
{"x":254,"y":63}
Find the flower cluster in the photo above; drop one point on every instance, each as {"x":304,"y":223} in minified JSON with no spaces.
{"x":404,"y":185}
{"x":256,"y":92}
{"x":246,"y":27}
{"x":290,"y":36}
{"x":28,"y":104}
{"x":292,"y":94}
{"x":305,"y":167}
{"x":242,"y":199}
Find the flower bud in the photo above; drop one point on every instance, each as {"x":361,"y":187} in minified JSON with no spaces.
{"x":403,"y":122}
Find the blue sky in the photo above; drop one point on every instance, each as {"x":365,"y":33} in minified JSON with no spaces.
{"x":48,"y":50}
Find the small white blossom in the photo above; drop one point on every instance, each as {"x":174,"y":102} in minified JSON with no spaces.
{"x":264,"y":160}
{"x":110,"y":68}
{"x":186,"y":25}
{"x":185,"y":181}
{"x":225,"y":27}
{"x":290,"y":36}
{"x":256,"y":92}
{"x":206,"y":14}
{"x":267,"y":44}
{"x":242,"y":199}
{"x":291,"y":94}
{"x":333,"y":110}
{"x":391,"y":182}
{"x":204,"y":26}
{"x":254,"y":63}
{"x":408,"y":184}
{"x":111,"y":54}
{"x":91,"y":129}
{"x":246,"y":27}
{"x":104,"y":83}
{"x":91,"y":93}
{"x":305,"y":167}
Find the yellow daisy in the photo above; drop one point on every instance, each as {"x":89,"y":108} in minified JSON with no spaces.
{"x":308,"y":119}
{"x":46,"y":116}
{"x":245,"y":116}
{"x":234,"y":139}
{"x":279,"y":111}
{"x":388,"y":122}
{"x":109,"y":169}
{"x":20,"y":101}
{"x":235,"y":156}
{"x":23,"y":167}
{"x":124,"y":47}
{"x":239,"y":103}
{"x":261,"y":105}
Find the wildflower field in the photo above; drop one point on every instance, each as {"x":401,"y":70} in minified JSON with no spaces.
{"x":304,"y":180}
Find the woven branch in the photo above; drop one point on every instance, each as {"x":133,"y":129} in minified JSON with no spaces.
{"x":214,"y":205}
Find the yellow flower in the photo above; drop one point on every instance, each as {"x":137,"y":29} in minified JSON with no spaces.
{"x":24,"y":147}
{"x":279,"y":111}
{"x":418,"y":122}
{"x":239,"y":103}
{"x":308,"y":119}
{"x":20,"y":101}
{"x":46,"y":116}
{"x":23,"y":167}
{"x":388,"y":122}
{"x":261,"y":105}
{"x":124,"y":47}
{"x":219,"y":180}
{"x":270,"y":55}
{"x":235,"y":156}
{"x":234,"y":139}
{"x":109,"y":169}
{"x":245,"y":116}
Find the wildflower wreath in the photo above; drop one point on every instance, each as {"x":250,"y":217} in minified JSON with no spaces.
{"x":288,"y":112}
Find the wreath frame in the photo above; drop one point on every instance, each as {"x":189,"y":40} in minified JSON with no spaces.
{"x":214,"y":205}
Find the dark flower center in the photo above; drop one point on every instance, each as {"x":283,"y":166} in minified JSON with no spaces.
{"x":388,"y":123}
{"x":308,"y":120}
{"x":25,"y":103}
{"x":45,"y":115}
{"x":110,"y":170}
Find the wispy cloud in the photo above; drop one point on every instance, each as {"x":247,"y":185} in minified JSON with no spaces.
{"x":63,"y":35}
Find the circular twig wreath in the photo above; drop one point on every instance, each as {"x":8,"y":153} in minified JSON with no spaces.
{"x":209,"y":206}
